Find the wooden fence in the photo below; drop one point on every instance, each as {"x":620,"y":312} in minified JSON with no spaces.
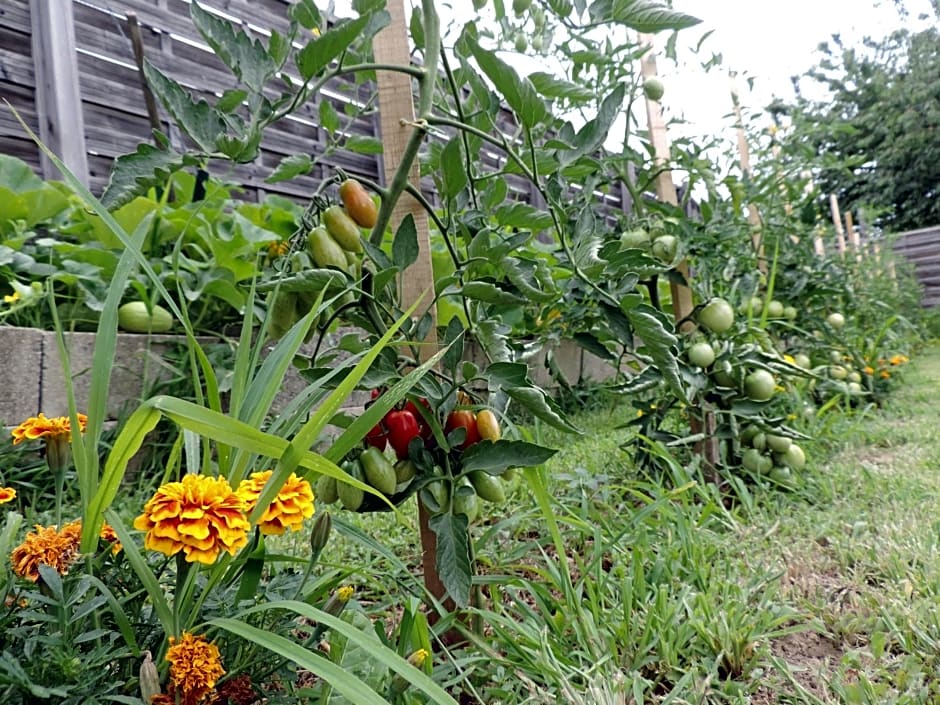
{"x":922,"y":249}
{"x":112,"y":102}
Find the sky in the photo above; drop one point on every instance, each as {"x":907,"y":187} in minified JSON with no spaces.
{"x":768,"y":42}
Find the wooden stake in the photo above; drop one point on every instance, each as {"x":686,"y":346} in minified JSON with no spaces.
{"x":396,"y":121}
{"x":702,"y":420}
{"x":137,"y":42}
{"x":665,"y":187}
{"x":744,"y":154}
{"x":837,"y":223}
{"x":853,"y":236}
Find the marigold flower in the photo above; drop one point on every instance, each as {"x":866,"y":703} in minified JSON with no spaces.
{"x":293,"y":503}
{"x":238,"y":691}
{"x":195,"y":666}
{"x":41,"y":427}
{"x":885,"y":374}
{"x":46,"y":546}
{"x":7,"y":494}
{"x":869,"y":370}
{"x":200,"y":516}
{"x":108,"y":534}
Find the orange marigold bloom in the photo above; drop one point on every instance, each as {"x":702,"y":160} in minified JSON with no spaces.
{"x":293,"y":503}
{"x":195,"y":666}
{"x":200,"y":516}
{"x":7,"y":494}
{"x":41,"y":427}
{"x":107,"y":534}
{"x":869,"y":370}
{"x":46,"y":546}
{"x":885,"y":374}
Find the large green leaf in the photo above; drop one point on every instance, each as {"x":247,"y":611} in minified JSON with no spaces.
{"x":496,"y":457}
{"x":551,"y":86}
{"x":246,"y":57}
{"x":16,"y":175}
{"x":540,"y":405}
{"x":132,"y":174}
{"x":658,"y":344}
{"x":203,"y":123}
{"x":518,"y":92}
{"x":641,"y":15}
{"x":405,"y":245}
{"x":453,"y":555}
{"x":591,"y":137}
{"x":291,"y":166}
{"x":319,"y":52}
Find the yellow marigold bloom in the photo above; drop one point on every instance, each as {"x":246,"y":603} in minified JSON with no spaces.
{"x":345,"y":593}
{"x":885,"y":374}
{"x":293,"y":503}
{"x":869,"y":370}
{"x":195,"y":666}
{"x":12,"y":298}
{"x":7,"y":494}
{"x":200,"y":516}
{"x":41,"y":427}
{"x":790,"y":359}
{"x":46,"y":546}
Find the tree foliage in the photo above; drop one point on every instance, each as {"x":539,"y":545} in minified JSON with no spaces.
{"x":876,"y":135}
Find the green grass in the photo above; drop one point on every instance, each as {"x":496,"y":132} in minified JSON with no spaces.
{"x":824,"y":595}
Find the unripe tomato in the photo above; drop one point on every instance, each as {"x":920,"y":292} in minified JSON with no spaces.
{"x":402,"y":427}
{"x":836,"y":320}
{"x":665,"y":248}
{"x":717,"y":316}
{"x":635,"y":239}
{"x":324,"y":250}
{"x":701,"y":354}
{"x":775,"y":309}
{"x":343,"y":229}
{"x":653,"y":89}
{"x":378,"y":471}
{"x":359,"y":205}
{"x":465,"y":419}
{"x":760,"y":385}
{"x":488,"y":426}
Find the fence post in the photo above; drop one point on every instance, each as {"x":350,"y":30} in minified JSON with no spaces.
{"x":744,"y":153}
{"x":702,"y":420}
{"x":837,"y":223}
{"x":396,"y":118}
{"x":58,"y":94}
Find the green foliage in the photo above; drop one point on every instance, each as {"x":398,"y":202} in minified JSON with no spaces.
{"x":874,"y":130}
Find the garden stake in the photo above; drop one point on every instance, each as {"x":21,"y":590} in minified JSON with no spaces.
{"x":701,"y":420}
{"x":744,"y":154}
{"x":397,"y":124}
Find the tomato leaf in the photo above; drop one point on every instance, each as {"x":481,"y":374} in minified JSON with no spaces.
{"x":506,"y":374}
{"x":329,"y":118}
{"x":319,"y":52}
{"x":488,"y":292}
{"x":454,"y":338}
{"x":305,"y":13}
{"x":518,"y":91}
{"x":551,"y":86}
{"x":246,"y":57}
{"x":591,"y":137}
{"x":294,"y":165}
{"x":495,"y":457}
{"x":453,"y":171}
{"x":198,"y":119}
{"x":658,"y":343}
{"x":361,"y":144}
{"x":522,"y":215}
{"x":453,"y":555}
{"x":641,"y":15}
{"x":405,"y":244}
{"x":535,"y":400}
{"x":132,"y":174}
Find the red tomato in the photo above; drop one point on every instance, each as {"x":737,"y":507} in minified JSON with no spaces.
{"x":402,"y":427}
{"x":466,"y":419}
{"x":377,"y":437}
{"x":423,"y":426}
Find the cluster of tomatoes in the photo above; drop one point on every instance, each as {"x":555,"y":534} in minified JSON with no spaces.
{"x":401,"y":425}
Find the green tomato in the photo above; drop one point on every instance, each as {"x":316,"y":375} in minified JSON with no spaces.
{"x":717,"y":316}
{"x":653,"y":89}
{"x":778,"y":444}
{"x":701,"y":355}
{"x":760,"y":385}
{"x":135,"y":318}
{"x":802,"y":360}
{"x":665,"y":248}
{"x":775,"y":309}
{"x":790,"y":313}
{"x":836,"y":320}
{"x":637,"y":239}
{"x":795,"y":457}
